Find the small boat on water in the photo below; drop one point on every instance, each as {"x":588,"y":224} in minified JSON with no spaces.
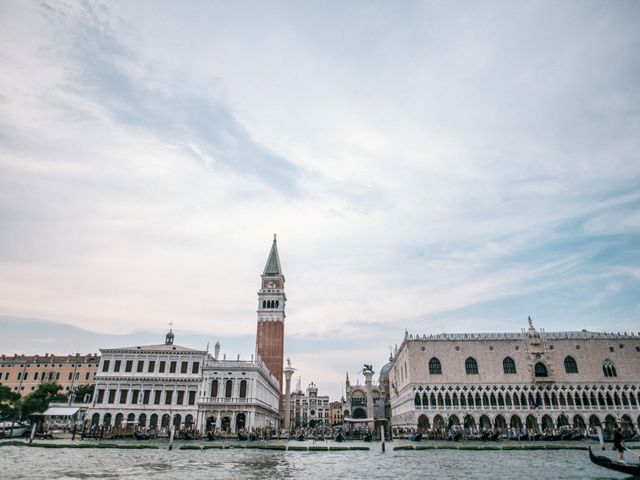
{"x":415,"y":437}
{"x":606,"y":462}
{"x":243,"y":437}
{"x":142,"y":436}
{"x":339,"y":437}
{"x":211,"y":436}
{"x":7,"y":430}
{"x":300,"y":437}
{"x":367,"y":437}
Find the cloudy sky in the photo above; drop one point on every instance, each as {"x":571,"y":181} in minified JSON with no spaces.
{"x":427,"y":166}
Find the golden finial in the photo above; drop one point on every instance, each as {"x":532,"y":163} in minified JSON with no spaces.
{"x":274,"y":236}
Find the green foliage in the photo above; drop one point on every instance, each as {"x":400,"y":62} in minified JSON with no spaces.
{"x":8,"y":395}
{"x":38,"y":401}
{"x":7,"y":400}
{"x":82,"y":391}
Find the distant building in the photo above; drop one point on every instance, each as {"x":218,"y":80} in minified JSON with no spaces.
{"x":308,"y":409}
{"x":23,"y":373}
{"x":151,"y":386}
{"x":336,"y":409}
{"x":237,"y":395}
{"x":534,"y":380}
{"x":356,"y":401}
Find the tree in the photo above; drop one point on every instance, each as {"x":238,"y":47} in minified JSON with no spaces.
{"x":7,"y":401}
{"x":81,"y":392}
{"x":38,"y":401}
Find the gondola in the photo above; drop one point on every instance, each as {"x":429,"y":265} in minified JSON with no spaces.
{"x":300,"y":438}
{"x":367,"y":437}
{"x":339,"y":437}
{"x":606,"y":462}
{"x":415,"y":437}
{"x":142,"y":436}
{"x":243,"y":437}
{"x":211,"y":436}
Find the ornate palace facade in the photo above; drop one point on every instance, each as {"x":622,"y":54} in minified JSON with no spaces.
{"x":538,"y":380}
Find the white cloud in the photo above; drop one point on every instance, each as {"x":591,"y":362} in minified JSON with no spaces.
{"x":414,"y":161}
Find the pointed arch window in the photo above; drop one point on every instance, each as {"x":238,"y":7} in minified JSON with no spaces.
{"x":435,"y":367}
{"x":570,"y":365}
{"x":508,"y":365}
{"x":609,"y":369}
{"x":243,"y":389}
{"x":471,"y":366}
{"x":540,"y":370}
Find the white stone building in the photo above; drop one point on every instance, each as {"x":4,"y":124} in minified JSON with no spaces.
{"x":151,"y":386}
{"x":538,"y":380}
{"x":237,"y":395}
{"x":154,"y":386}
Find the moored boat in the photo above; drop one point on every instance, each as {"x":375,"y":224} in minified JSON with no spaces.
{"x":415,"y":437}
{"x":9,"y":430}
{"x":142,"y":436}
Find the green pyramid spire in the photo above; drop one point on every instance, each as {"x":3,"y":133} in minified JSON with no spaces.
{"x":273,"y":262}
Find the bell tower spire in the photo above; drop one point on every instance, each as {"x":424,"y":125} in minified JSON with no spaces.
{"x":271,"y":303}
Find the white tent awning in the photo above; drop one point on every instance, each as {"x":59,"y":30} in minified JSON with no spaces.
{"x":61,"y":411}
{"x":359,"y":420}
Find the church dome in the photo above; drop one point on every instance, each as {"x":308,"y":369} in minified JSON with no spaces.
{"x":384,"y":371}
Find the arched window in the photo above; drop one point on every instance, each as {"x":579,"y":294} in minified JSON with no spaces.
{"x":471,"y":366}
{"x":227,"y":389}
{"x":435,"y":367}
{"x":214,"y":388}
{"x":277,"y":303}
{"x":570,"y":365}
{"x":243,"y":389}
{"x":508,"y":365}
{"x":540,"y":370}
{"x":608,"y":369}
{"x":264,"y":304}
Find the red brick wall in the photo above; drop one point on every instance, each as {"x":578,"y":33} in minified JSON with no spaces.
{"x":270,"y":347}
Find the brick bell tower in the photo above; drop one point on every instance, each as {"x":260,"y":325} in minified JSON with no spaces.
{"x":271,"y":301}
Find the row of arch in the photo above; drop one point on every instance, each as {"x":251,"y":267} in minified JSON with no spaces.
{"x":228,"y":388}
{"x":225,"y":423}
{"x":270,"y":303}
{"x":547,"y":422}
{"x":530,"y":399}
{"x":154,"y":420}
{"x":509,"y":367}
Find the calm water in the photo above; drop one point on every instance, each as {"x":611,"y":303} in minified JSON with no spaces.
{"x":42,"y":463}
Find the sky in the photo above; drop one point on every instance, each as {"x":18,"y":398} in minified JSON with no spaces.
{"x":428,"y":166}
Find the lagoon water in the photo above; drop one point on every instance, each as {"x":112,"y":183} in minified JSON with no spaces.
{"x":90,"y":463}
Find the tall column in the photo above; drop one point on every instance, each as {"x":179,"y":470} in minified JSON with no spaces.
{"x":368,"y":375}
{"x":288,"y":373}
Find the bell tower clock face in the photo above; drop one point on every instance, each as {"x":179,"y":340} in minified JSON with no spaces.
{"x":271,"y":285}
